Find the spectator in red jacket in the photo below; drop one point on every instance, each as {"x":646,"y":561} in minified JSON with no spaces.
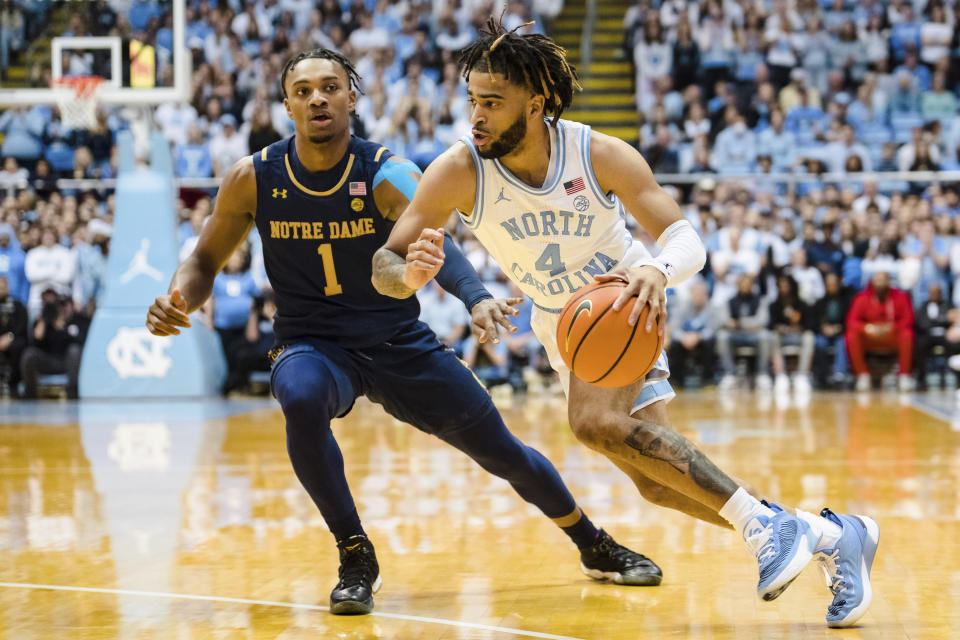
{"x":880,"y":319}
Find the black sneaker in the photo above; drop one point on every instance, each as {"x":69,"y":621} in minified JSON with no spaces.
{"x":609,"y":561}
{"x":359,"y":577}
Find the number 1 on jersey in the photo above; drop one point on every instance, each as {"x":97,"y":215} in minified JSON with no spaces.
{"x":550,"y":260}
{"x":332,"y":287}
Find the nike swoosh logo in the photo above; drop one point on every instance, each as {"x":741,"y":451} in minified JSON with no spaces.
{"x":586,"y":305}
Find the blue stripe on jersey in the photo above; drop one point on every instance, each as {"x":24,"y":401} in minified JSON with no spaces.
{"x":561,"y":165}
{"x":398,"y":174}
{"x":477,"y":212}
{"x":608,"y":203}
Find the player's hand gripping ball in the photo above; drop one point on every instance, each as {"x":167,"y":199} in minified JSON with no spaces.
{"x":599,"y":345}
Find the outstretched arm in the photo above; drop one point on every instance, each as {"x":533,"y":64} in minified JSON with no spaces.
{"x":418,"y":250}
{"x":407,"y":261}
{"x":228,"y":226}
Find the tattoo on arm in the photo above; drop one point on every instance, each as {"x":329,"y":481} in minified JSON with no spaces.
{"x":388,"y":270}
{"x":660,"y":443}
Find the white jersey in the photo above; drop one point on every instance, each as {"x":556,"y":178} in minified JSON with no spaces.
{"x":551,"y":241}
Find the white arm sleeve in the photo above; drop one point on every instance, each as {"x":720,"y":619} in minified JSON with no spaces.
{"x":683,"y":254}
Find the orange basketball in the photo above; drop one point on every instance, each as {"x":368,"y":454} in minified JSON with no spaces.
{"x":596,"y":342}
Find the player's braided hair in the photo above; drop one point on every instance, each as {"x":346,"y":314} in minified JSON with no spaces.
{"x":326,"y":54}
{"x":532,"y":60}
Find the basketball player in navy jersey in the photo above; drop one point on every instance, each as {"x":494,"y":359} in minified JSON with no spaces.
{"x":547,"y":198}
{"x":323,"y":201}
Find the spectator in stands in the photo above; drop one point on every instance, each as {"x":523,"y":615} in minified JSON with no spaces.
{"x":905,"y":33}
{"x":652,"y":56}
{"x":917,"y":149}
{"x":13,"y":176}
{"x":919,"y":73}
{"x":880,"y":320}
{"x":193,"y":159}
{"x":743,"y":321}
{"x":791,"y":325}
{"x":12,"y":259}
{"x":444,"y":314}
{"x":252,"y":352}
{"x":686,"y":53}
{"x":716,"y":44}
{"x":778,"y":143}
{"x":938,"y":103}
{"x":848,"y":53}
{"x":13,"y":337}
{"x":809,"y":279}
{"x":659,"y":155}
{"x":692,"y":329}
{"x":847,"y":147}
{"x":233,"y":292}
{"x":48,"y":266}
{"x":814,"y":47}
{"x":805,"y":120}
{"x":56,"y":345}
{"x":92,"y":263}
{"x":489,"y":360}
{"x":227,"y":145}
{"x":829,"y":320}
{"x":735,"y":150}
{"x":22,"y":130}
{"x":904,"y":100}
{"x":933,"y":319}
{"x":262,"y":132}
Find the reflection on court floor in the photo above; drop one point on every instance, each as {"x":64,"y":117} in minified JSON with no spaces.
{"x":184,"y":520}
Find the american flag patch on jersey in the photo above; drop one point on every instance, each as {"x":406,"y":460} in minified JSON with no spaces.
{"x":574,"y":185}
{"x":358,"y":188}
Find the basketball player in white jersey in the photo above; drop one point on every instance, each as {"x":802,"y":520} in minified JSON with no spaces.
{"x":547,"y":198}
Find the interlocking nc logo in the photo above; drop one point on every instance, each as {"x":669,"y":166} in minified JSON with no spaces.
{"x":280,"y":193}
{"x":135,"y":353}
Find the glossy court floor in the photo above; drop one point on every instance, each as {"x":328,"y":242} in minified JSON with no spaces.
{"x":184,"y":520}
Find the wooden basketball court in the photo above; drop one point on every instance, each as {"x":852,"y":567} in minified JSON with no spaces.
{"x":184,"y":520}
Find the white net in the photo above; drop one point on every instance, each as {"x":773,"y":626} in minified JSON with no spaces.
{"x":77,"y":98}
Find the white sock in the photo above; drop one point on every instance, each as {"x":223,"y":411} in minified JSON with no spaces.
{"x":827,"y":533}
{"x":741,"y":507}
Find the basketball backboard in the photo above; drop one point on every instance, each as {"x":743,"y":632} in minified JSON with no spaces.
{"x":137,"y":46}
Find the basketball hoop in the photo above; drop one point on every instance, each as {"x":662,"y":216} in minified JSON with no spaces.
{"x":77,"y":98}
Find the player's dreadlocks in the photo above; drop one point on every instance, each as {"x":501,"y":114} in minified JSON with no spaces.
{"x":325,"y":54}
{"x":533,"y":60}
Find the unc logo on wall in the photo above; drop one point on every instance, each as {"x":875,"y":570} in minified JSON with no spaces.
{"x":136,"y":353}
{"x":121,"y":359}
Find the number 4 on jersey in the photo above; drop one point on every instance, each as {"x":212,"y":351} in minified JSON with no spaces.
{"x":550,"y":260}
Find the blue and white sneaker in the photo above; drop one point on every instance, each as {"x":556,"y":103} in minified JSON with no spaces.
{"x":783,"y":545}
{"x":847,"y":567}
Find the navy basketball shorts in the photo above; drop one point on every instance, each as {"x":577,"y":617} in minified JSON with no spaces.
{"x":416,"y":378}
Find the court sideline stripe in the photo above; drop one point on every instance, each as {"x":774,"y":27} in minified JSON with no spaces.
{"x":289,"y":605}
{"x":933,"y":410}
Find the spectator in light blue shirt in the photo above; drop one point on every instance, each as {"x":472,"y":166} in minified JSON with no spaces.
{"x":23,"y":134}
{"x":778,"y":143}
{"x":804,"y":120}
{"x":905,"y":34}
{"x":735,"y":150}
{"x":905,"y":99}
{"x":193,"y":158}
{"x":919,"y":72}
{"x":12,"y":260}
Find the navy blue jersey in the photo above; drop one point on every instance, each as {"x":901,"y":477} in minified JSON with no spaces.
{"x":320,"y":231}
